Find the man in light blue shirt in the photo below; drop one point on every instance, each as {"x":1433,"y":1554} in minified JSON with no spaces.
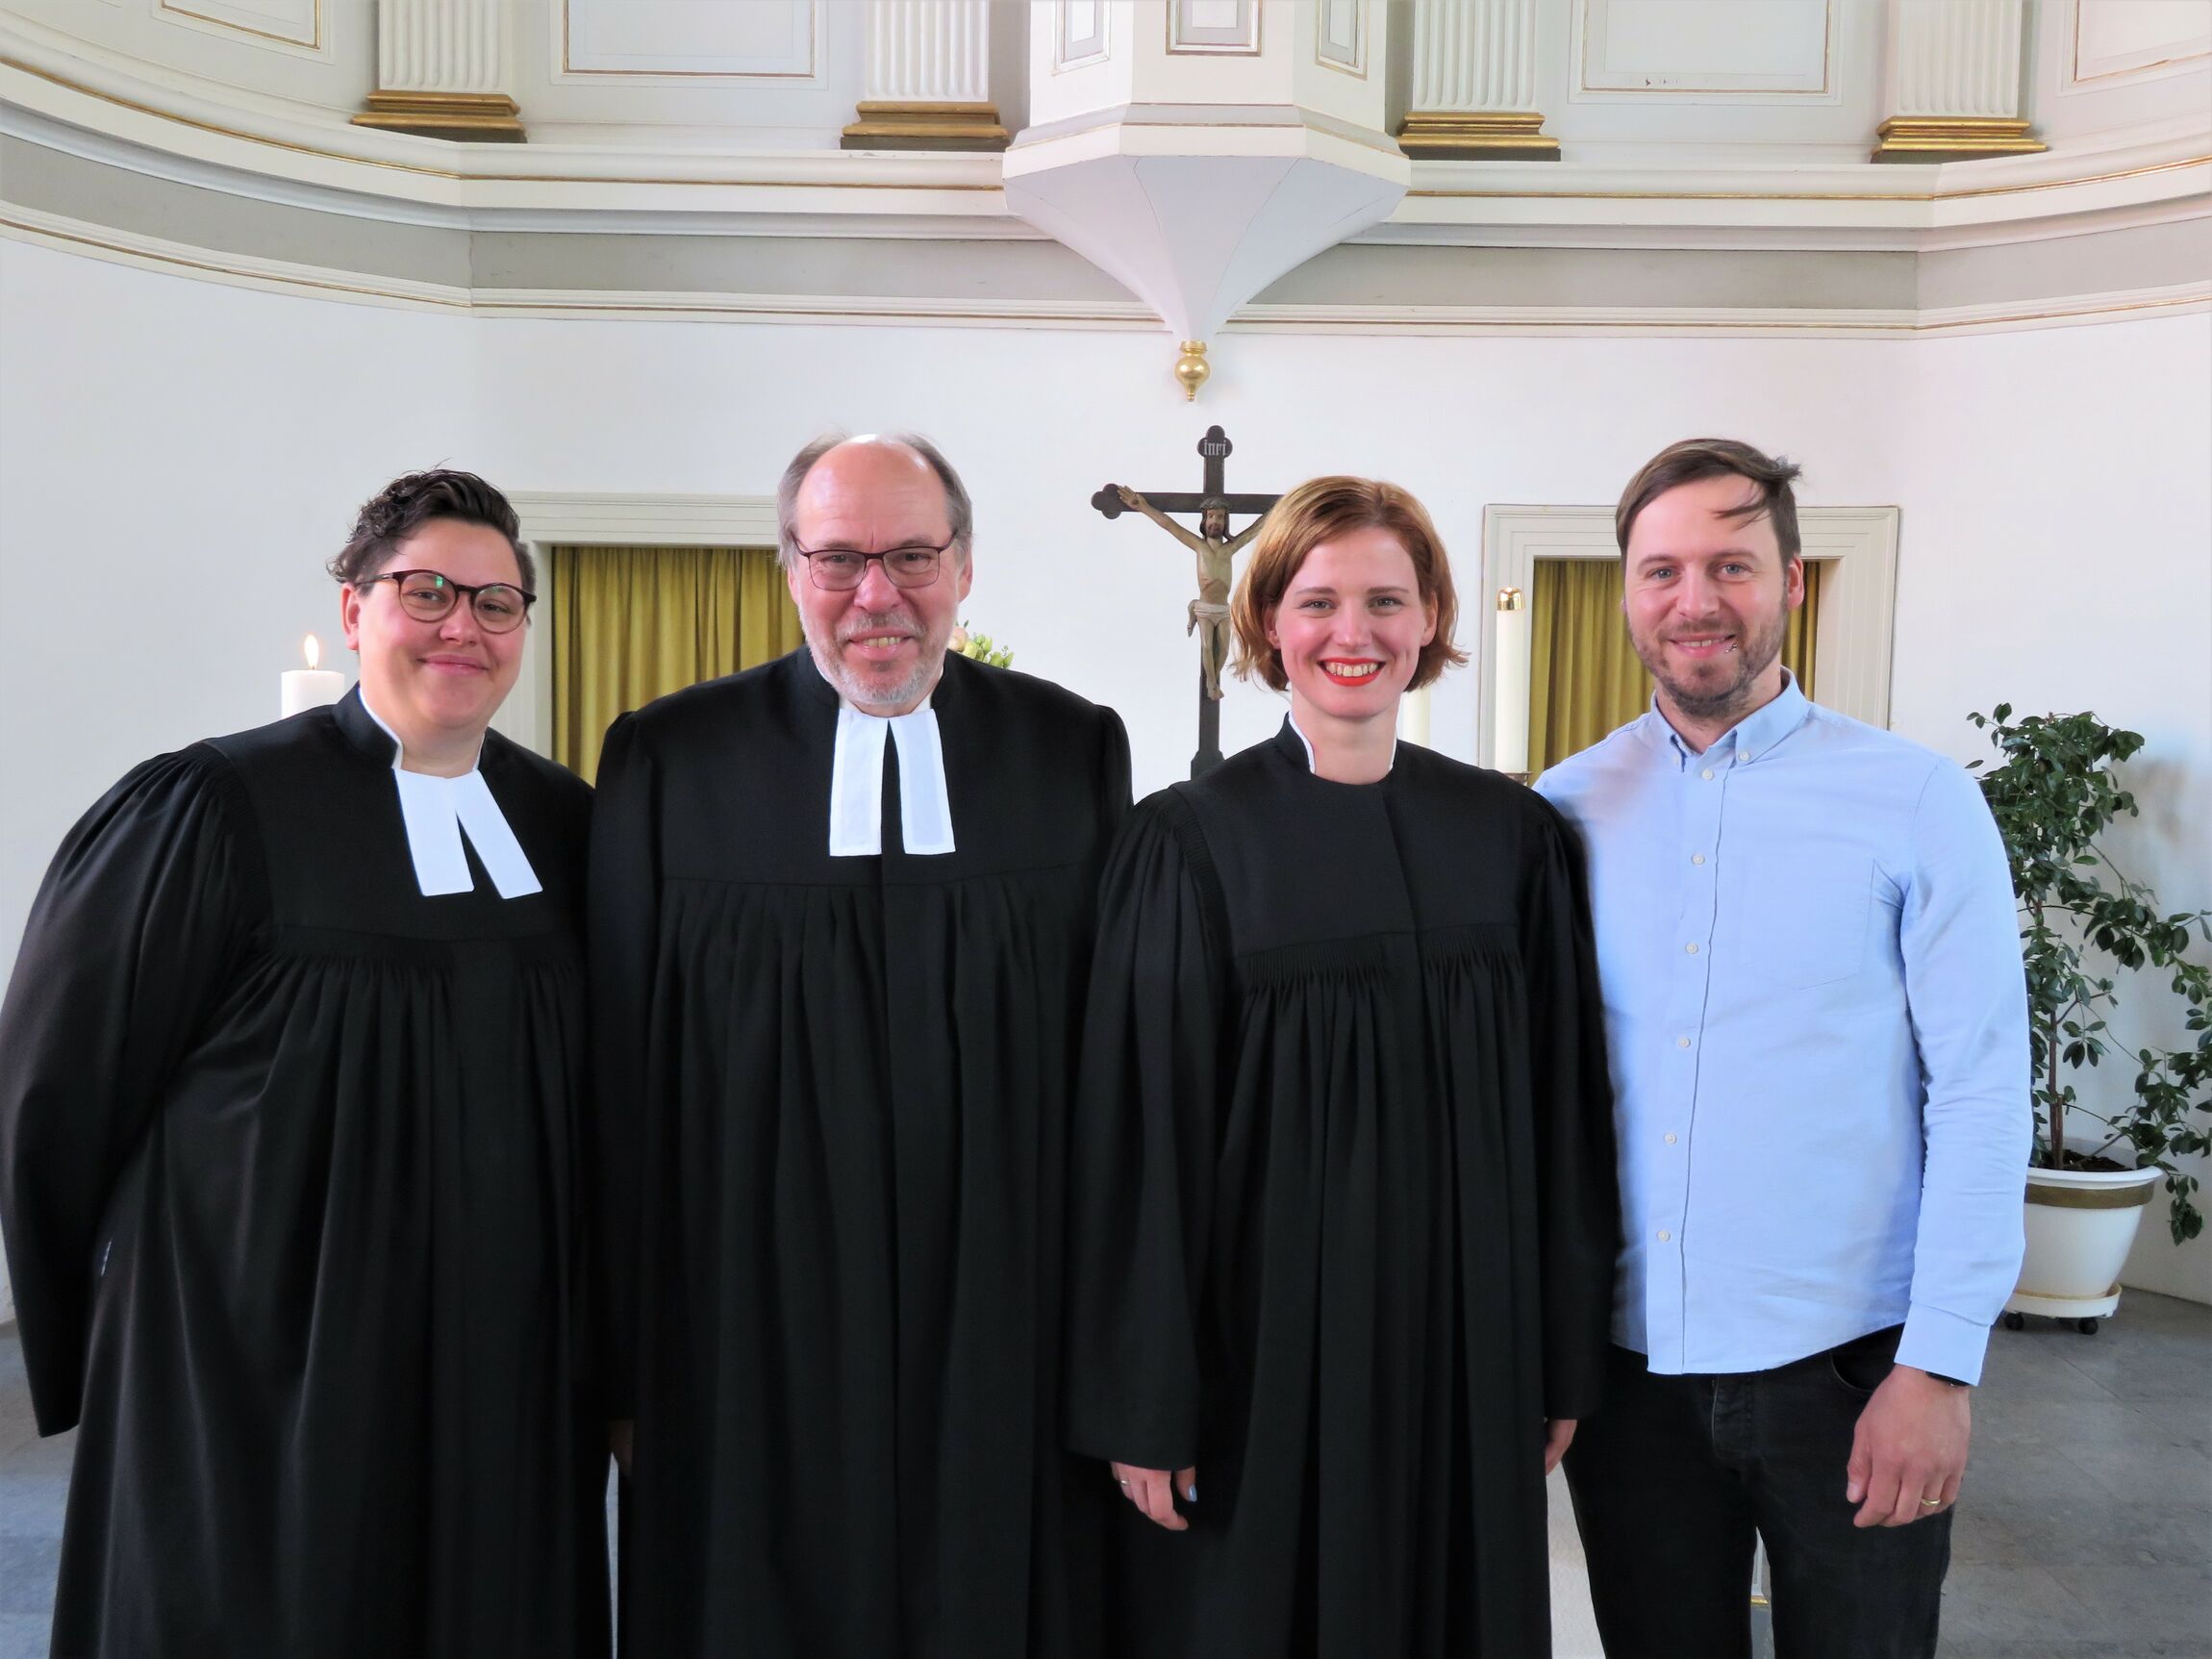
{"x":1819,"y":1032}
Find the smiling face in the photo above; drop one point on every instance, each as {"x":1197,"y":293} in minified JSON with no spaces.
{"x":1350,"y":628}
{"x":435,"y":683}
{"x":1708,"y":601}
{"x":882,"y":647}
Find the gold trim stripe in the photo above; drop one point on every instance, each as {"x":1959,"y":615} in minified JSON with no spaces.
{"x":2090,"y":1197}
{"x":1908,"y":139}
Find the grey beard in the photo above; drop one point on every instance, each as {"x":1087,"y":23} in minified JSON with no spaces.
{"x":865,"y":696}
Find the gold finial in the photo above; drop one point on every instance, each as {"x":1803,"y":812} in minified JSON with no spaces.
{"x":1511,"y":599}
{"x":1192,"y":368}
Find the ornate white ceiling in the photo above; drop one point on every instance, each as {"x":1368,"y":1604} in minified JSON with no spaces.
{"x":1195,"y":149}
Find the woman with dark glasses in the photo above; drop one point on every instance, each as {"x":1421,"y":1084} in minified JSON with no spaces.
{"x":289,"y":1098}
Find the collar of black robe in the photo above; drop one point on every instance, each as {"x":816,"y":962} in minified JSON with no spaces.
{"x":816,"y":689}
{"x":1296,"y":748}
{"x":505,"y":861}
{"x":360,"y":728}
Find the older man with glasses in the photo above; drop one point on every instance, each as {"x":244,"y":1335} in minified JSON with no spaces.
{"x":841,"y":911}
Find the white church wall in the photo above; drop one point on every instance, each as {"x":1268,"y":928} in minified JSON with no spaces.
{"x":2058,"y":537}
{"x":176,"y":462}
{"x":205,"y":446}
{"x":1039,"y":419}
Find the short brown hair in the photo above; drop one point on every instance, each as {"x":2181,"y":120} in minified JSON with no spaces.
{"x":412,"y":500}
{"x":1697,"y":459}
{"x":1320,"y":510}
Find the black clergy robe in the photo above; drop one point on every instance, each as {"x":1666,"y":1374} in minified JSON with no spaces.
{"x":289,"y":1166}
{"x":832,"y":1094}
{"x":1343,"y":1210}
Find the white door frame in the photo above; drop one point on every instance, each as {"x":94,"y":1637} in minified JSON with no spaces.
{"x":1858,"y":594}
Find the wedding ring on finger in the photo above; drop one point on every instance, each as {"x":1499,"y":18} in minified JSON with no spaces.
{"x":1931,"y":1503}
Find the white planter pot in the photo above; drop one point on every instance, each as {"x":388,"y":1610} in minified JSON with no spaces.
{"x":2080,"y":1223}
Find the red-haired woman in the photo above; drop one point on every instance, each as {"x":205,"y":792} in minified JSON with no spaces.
{"x":1342,"y":1221}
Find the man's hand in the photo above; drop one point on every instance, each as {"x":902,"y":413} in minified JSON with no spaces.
{"x":1148,"y":1489}
{"x":1908,"y":1453}
{"x":1558,"y":1436}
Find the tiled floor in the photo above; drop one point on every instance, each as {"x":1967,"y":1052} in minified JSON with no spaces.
{"x":2087,"y":1531}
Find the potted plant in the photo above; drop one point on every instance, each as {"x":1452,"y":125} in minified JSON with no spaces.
{"x":2083,"y":925}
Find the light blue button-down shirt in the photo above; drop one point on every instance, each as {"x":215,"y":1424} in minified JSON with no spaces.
{"x":1817,"y":1023}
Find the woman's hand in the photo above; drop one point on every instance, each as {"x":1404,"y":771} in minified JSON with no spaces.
{"x":1558,"y":1436}
{"x":1151,"y":1491}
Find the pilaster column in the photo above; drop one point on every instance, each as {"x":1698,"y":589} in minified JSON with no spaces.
{"x":927,"y":81}
{"x":1952,"y":84}
{"x":1474,"y":82}
{"x":439,"y":68}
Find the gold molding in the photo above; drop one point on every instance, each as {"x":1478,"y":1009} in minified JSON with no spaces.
{"x":921,"y":125}
{"x":1192,"y":369}
{"x":808,"y":74}
{"x":1357,"y":68}
{"x":2075,"y":77}
{"x":476,"y":176}
{"x":1827,"y":89}
{"x":2090,"y":1197}
{"x":170,"y":9}
{"x":464,"y":118}
{"x":1176,"y":47}
{"x":1476,"y":136}
{"x":1952,"y":138}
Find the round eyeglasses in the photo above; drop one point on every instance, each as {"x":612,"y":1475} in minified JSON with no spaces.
{"x":841,"y":569}
{"x":501,"y":607}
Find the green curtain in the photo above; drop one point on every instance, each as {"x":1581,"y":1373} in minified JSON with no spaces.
{"x":1584,"y":678}
{"x":634,"y":623}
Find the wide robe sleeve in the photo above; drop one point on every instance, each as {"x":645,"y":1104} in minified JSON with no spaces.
{"x":622,"y":913}
{"x":1142,"y":1148}
{"x":1580,"y":1215}
{"x":136,"y":935}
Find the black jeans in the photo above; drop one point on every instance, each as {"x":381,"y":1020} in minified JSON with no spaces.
{"x":1674,"y":1473}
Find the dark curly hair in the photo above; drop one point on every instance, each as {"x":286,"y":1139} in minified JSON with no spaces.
{"x":412,"y":500}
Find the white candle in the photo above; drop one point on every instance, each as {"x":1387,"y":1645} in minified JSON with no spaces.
{"x":1509,"y":749}
{"x":311,"y":687}
{"x":1413,"y":717}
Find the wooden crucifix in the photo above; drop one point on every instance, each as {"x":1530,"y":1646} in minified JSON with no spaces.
{"x":1216,"y":549}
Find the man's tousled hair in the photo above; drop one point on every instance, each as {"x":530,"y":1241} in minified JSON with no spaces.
{"x":1695,"y":460}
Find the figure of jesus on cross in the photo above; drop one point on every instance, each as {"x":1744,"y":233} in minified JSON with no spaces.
{"x":1216,"y":549}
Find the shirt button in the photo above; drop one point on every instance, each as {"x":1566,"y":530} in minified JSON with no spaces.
{"x":1670,"y":1137}
{"x":1697,"y":858}
{"x":1681,"y":1043}
{"x":1707,"y":775}
{"x":1664,"y":1235}
{"x":1743,"y":754}
{"x":1692,"y":947}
